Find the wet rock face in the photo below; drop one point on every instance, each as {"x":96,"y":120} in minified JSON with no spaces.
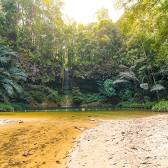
{"x":137,"y":143}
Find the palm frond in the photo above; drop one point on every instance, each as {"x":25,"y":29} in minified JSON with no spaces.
{"x":120,"y":81}
{"x":157,"y":87}
{"x":144,"y":86}
{"x":18,"y":89}
{"x":6,"y":55}
{"x":4,"y":59}
{"x":17,"y":73}
{"x":10,"y":74}
{"x":128,"y":76}
{"x":8,"y":88}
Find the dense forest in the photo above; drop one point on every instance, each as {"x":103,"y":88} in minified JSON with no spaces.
{"x":122,"y":64}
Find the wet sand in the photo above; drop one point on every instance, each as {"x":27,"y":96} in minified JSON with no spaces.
{"x":39,"y":143}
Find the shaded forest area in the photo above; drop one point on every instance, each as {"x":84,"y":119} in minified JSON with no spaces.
{"x":124,"y":64}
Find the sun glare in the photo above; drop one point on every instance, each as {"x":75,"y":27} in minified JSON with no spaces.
{"x":84,"y":11}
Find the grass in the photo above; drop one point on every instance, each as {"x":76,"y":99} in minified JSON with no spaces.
{"x":161,"y":106}
{"x":147,"y":105}
{"x":13,"y":107}
{"x":6,"y":107}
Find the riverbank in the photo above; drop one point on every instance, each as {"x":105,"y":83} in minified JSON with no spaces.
{"x":38,"y":143}
{"x":138,"y":143}
{"x":45,"y":139}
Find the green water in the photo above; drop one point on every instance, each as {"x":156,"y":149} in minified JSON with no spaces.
{"x":114,"y":114}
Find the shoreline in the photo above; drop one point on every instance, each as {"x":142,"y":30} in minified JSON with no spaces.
{"x":138,"y":143}
{"x":38,"y":142}
{"x":50,"y":142}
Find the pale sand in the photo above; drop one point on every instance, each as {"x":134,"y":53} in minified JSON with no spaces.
{"x":134,"y":143}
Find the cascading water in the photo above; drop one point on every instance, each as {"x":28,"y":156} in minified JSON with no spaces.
{"x":67,"y":102}
{"x":66,"y":80}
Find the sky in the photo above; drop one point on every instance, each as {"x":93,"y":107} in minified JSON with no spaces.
{"x":84,"y":11}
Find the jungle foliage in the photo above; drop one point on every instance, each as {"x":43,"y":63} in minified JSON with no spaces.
{"x":125,"y":61}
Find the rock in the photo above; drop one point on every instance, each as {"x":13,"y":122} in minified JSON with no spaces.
{"x":58,"y":162}
{"x":148,"y":157}
{"x":145,"y":163}
{"x":134,"y":148}
{"x":122,"y":132}
{"x":20,"y":121}
{"x":83,"y":109}
{"x":26,"y":153}
{"x":78,"y":128}
{"x":92,"y":119}
{"x":44,"y":163}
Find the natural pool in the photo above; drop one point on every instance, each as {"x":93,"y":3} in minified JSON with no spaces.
{"x":77,"y":114}
{"x":45,"y":138}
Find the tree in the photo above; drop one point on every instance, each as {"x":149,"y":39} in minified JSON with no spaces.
{"x":10,"y":74}
{"x":102,"y":14}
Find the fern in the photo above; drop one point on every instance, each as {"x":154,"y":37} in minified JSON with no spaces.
{"x":128,"y":76}
{"x":10,"y":73}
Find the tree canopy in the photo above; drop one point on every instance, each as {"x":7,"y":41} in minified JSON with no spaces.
{"x":127,"y":59}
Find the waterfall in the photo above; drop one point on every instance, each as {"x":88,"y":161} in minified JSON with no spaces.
{"x":66,"y":80}
{"x":67,"y":102}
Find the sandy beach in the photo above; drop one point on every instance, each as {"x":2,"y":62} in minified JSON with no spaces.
{"x":37,"y":143}
{"x":133,"y":143}
{"x":83,"y":142}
